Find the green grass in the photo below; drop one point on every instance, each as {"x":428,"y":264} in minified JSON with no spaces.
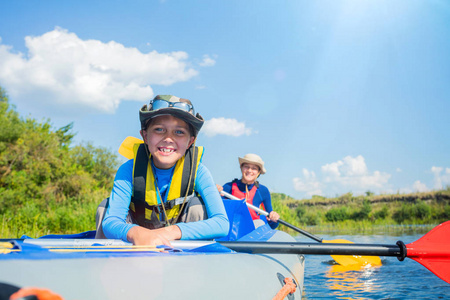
{"x":364,"y":214}
{"x":356,"y":215}
{"x":63,"y":218}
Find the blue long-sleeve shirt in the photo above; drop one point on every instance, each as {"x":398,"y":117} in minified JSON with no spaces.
{"x":115,"y":226}
{"x":262,"y":195}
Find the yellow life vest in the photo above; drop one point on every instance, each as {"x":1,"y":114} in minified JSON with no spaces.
{"x":144,"y":207}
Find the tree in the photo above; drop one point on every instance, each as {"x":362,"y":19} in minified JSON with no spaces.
{"x":337,"y":214}
{"x":45,"y":182}
{"x":364,"y":212}
{"x":10,"y":124}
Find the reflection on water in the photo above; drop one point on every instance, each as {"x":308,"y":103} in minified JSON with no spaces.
{"x":352,"y":278}
{"x":394,"y":279}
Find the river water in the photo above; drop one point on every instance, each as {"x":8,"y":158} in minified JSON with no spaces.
{"x":393,"y":280}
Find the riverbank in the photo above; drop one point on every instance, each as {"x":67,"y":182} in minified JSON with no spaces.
{"x":364,"y":214}
{"x":393,"y":229}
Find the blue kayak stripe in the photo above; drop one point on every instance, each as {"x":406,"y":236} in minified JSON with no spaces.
{"x":31,"y":251}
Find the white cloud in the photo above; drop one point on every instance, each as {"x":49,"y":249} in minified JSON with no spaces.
{"x":332,"y":170}
{"x":398,"y":170}
{"x":308,"y":184}
{"x":441,"y":181}
{"x":354,"y":166}
{"x":208,"y":61}
{"x":348,"y":174}
{"x":419,"y":186}
{"x":224,"y":126}
{"x":404,"y":190}
{"x":352,"y":172}
{"x":63,"y":70}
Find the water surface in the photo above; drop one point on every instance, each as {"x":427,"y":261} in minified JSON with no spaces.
{"x":393,"y":280}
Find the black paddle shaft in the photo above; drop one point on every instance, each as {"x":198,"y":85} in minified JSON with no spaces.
{"x":310,"y":235}
{"x":319,"y":249}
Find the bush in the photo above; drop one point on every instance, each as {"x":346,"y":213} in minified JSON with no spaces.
{"x":422,"y":210}
{"x":419,"y":210}
{"x":369,"y":193}
{"x":337,"y":214}
{"x":364,"y":212}
{"x":305,"y":217}
{"x":403,"y":214}
{"x":311,"y":219}
{"x":348,"y":197}
{"x":45,"y":184}
{"x":446,"y":212}
{"x":382,"y":213}
{"x":300,"y":211}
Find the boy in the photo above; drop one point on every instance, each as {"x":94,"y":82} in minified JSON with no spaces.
{"x":166,"y":169}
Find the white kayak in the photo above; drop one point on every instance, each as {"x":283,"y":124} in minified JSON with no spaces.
{"x":84,"y":268}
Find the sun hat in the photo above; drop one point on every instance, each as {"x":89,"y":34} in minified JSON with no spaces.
{"x":171,"y":105}
{"x":251,"y":158}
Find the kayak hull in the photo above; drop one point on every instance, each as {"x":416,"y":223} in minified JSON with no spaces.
{"x":179,"y":275}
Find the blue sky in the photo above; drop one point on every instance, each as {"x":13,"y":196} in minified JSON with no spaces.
{"x":335,"y":96}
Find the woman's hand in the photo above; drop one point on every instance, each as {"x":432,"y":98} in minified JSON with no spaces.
{"x":219,"y":188}
{"x":273,"y":216}
{"x":153,"y":237}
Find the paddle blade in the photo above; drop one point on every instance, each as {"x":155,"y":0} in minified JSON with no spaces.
{"x":353,"y":260}
{"x":433,"y":251}
{"x":126,"y":148}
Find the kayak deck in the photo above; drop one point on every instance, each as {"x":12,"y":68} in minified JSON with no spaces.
{"x":192,"y":270}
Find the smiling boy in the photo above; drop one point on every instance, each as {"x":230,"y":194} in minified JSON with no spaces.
{"x":164,"y":193}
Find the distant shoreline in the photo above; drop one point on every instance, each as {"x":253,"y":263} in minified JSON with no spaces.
{"x":439,"y":196}
{"x":374,"y":230}
{"x":365,"y":214}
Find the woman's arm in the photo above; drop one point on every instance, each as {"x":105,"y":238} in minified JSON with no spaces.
{"x":227,"y":187}
{"x":273,"y":216}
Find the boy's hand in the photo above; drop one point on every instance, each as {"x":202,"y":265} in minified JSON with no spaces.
{"x":142,"y":236}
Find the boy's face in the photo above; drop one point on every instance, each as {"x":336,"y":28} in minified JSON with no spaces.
{"x":250,"y":173}
{"x":167,"y":139}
